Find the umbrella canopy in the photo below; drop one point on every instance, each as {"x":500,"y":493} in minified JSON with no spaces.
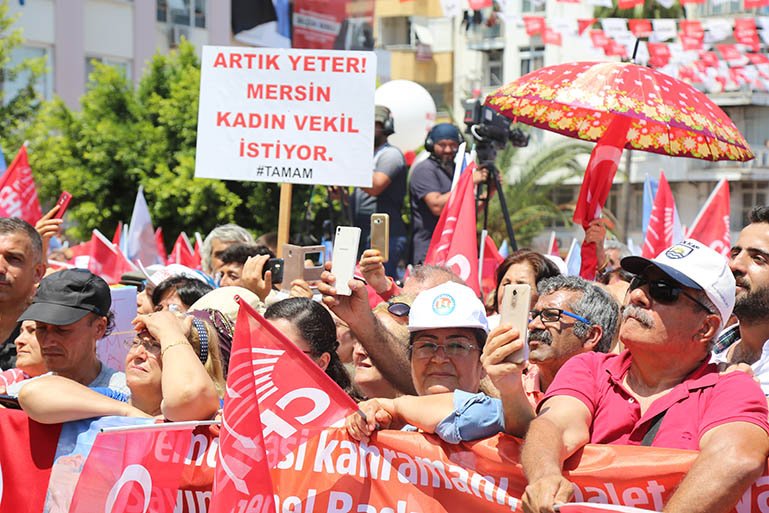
{"x":579,"y":100}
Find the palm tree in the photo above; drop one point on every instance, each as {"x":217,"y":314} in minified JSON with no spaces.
{"x":529,"y":196}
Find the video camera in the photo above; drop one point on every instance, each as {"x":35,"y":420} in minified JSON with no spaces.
{"x":491,"y":128}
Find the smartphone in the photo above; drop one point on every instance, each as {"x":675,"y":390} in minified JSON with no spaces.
{"x":380,"y":234}
{"x":514,"y":309}
{"x":275,"y":266}
{"x":63,"y":203}
{"x":301,"y":262}
{"x":10,"y":402}
{"x":344,"y":258}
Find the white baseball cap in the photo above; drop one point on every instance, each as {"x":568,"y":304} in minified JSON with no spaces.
{"x":449,"y":305}
{"x":693,"y":264}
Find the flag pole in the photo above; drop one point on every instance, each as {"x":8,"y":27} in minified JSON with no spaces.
{"x":481,"y":251}
{"x":284,"y":216}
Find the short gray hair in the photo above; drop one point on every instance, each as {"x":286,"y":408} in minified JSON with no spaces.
{"x":595,"y":304}
{"x":226,"y":233}
{"x":624,"y":251}
{"x":14,"y":225}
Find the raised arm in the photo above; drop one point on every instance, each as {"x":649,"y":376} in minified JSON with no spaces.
{"x":54,"y":399}
{"x":562,"y":427}
{"x":732,"y":456}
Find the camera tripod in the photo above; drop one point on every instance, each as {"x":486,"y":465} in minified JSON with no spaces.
{"x":487,"y":154}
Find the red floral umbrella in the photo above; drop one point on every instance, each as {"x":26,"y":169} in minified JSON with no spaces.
{"x":579,"y":100}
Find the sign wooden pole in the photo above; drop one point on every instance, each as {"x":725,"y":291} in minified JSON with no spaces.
{"x":284,"y":217}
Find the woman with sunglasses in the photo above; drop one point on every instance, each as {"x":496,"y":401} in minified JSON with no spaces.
{"x":172,"y":368}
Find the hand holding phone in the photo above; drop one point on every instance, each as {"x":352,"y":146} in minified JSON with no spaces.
{"x":514,"y":310}
{"x":275,"y":266}
{"x":345,"y":257}
{"x":63,"y":203}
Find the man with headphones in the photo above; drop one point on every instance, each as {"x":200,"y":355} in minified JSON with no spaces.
{"x":430,"y":185}
{"x":386,"y":193}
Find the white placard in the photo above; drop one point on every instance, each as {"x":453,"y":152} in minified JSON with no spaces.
{"x":286,"y":115}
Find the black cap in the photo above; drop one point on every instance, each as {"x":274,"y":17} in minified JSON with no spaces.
{"x":67,"y":296}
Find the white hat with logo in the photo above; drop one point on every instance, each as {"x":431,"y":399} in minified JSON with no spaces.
{"x":693,"y":264}
{"x":449,"y":305}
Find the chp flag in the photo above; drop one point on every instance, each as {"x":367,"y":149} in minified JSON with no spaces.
{"x":711,"y":226}
{"x":18,"y":195}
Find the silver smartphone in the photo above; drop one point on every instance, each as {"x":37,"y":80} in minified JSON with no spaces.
{"x":380,"y":234}
{"x":514,"y":309}
{"x":345,"y":257}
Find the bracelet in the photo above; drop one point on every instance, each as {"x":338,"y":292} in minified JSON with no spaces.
{"x":186,"y":343}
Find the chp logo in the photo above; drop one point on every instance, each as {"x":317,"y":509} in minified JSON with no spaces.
{"x":678,"y":251}
{"x":444,"y":304}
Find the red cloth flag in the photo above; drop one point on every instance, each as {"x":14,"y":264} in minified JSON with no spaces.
{"x":491,"y":260}
{"x":692,"y":28}
{"x":197,"y":253}
{"x":182,"y":253}
{"x":664,"y":227}
{"x":640,"y":27}
{"x":118,"y":232}
{"x":628,"y":4}
{"x":615,"y":49}
{"x":160,"y":245}
{"x":129,"y":470}
{"x":710,"y":59}
{"x":27,"y":450}
{"x":599,"y":38}
{"x":584,"y":24}
{"x":107,"y":260}
{"x":758,"y":58}
{"x":711,"y":225}
{"x":659,"y":54}
{"x":599,"y":174}
{"x":745,"y":33}
{"x":479,"y":4}
{"x":730,"y":52}
{"x":534,"y":25}
{"x":755,"y":4}
{"x":552,"y":245}
{"x":552,"y":37}
{"x":18,"y":195}
{"x":454,"y":243}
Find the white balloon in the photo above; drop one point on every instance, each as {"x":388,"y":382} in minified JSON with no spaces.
{"x":413,"y":111}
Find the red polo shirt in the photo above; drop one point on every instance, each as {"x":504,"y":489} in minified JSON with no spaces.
{"x":704,"y":400}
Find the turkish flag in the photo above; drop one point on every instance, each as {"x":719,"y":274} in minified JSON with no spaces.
{"x":182,"y":253}
{"x":118,"y":232}
{"x":130,"y":470}
{"x":599,"y":175}
{"x":27,"y":450}
{"x":106,"y":259}
{"x":664,"y":227}
{"x":711,"y":226}
{"x":454,"y":243}
{"x":18,"y":195}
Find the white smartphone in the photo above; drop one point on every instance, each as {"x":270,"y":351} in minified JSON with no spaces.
{"x":514,"y":309}
{"x":344,"y":257}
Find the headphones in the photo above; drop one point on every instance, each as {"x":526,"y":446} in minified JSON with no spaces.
{"x":431,"y":135}
{"x":388,"y":125}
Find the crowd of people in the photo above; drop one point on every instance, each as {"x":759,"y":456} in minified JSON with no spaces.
{"x":666,"y":352}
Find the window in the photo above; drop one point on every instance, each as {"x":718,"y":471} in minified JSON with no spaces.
{"x":181,"y":12}
{"x":753,"y":194}
{"x":532,"y":58}
{"x":532,"y":5}
{"x":122,"y":64}
{"x":44,"y":84}
{"x":495,"y":74}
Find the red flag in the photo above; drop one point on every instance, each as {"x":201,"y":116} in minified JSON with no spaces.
{"x":615,"y":48}
{"x":599,"y":174}
{"x":710,"y":59}
{"x":129,"y":470}
{"x":745,"y":32}
{"x":182,"y":253}
{"x":628,"y":4}
{"x":758,"y":58}
{"x":711,"y":225}
{"x":118,"y":231}
{"x":454,"y":243}
{"x":730,"y":52}
{"x":197,"y":253}
{"x":491,"y":260}
{"x":552,"y":37}
{"x":552,"y":245}
{"x":664,"y":227}
{"x":106,"y":259}
{"x":160,"y":245}
{"x":640,"y":27}
{"x":534,"y":25}
{"x":599,"y":38}
{"x":479,"y":4}
{"x":27,"y":450}
{"x":755,"y":4}
{"x":18,"y":195}
{"x":584,"y":24}
{"x":659,"y":54}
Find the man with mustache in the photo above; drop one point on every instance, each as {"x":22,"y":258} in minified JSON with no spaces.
{"x":661,"y":391}
{"x":749,"y":261}
{"x":571,"y":316}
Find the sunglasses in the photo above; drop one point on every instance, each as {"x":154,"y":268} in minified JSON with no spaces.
{"x":663,"y":291}
{"x":398,"y":309}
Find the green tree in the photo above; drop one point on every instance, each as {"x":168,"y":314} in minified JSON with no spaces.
{"x":124,"y":137}
{"x":650,"y":9}
{"x":529,"y":195}
{"x":17,"y":112}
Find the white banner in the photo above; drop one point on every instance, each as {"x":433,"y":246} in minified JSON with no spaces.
{"x":286,"y":115}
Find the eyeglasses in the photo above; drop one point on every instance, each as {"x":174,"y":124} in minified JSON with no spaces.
{"x":554,"y":315}
{"x":663,"y":292}
{"x":398,"y":309}
{"x":455,"y":349}
{"x":151,"y":346}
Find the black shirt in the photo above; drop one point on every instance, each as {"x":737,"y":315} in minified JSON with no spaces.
{"x":8,"y":350}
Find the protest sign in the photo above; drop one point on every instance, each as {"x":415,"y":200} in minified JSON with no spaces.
{"x":291,"y":116}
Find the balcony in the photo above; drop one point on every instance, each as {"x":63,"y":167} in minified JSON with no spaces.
{"x":486,"y":38}
{"x":406,"y":65}
{"x":391,"y":8}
